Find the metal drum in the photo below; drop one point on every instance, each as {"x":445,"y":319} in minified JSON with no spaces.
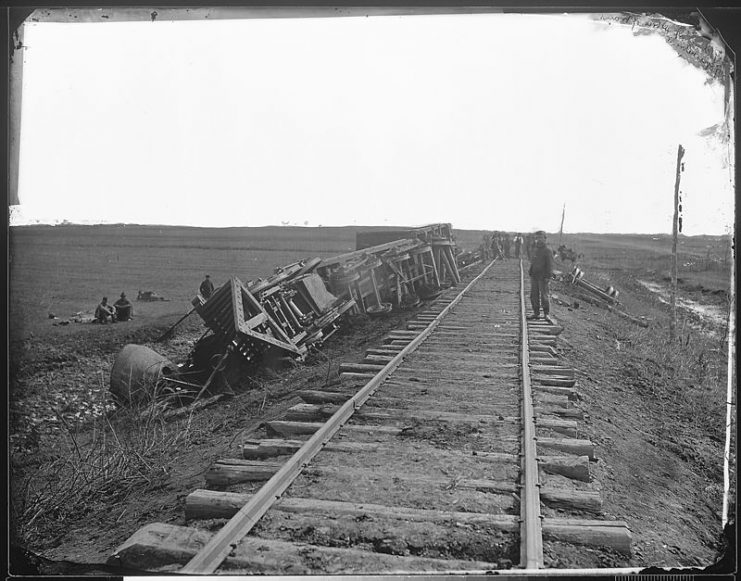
{"x":137,"y":373}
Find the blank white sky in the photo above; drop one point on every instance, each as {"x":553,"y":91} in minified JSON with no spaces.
{"x":485,"y":121}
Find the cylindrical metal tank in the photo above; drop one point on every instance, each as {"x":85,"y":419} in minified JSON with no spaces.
{"x":137,"y":373}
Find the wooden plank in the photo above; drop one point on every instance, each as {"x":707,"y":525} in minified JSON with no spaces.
{"x":322,"y":397}
{"x":381,"y":359}
{"x":483,"y":357}
{"x":574,"y":467}
{"x":535,"y":330}
{"x":568,"y":445}
{"x":553,"y":370}
{"x":260,"y":449}
{"x":571,"y":394}
{"x":229,"y":471}
{"x":205,"y":504}
{"x":586,"y":500}
{"x":614,"y":535}
{"x":308,"y":412}
{"x":555,"y":381}
{"x":495,"y":456}
{"x":352,"y":376}
{"x":560,"y":412}
{"x":385,"y":350}
{"x":534,"y":348}
{"x":284,"y":428}
{"x":271,"y":340}
{"x":316,"y":412}
{"x":222,"y":473}
{"x":565,"y":427}
{"x":258,"y":319}
{"x":159,"y":546}
{"x":402,"y":333}
{"x":554,"y":401}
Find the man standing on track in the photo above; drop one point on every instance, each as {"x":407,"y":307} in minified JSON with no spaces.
{"x":541,"y":270}
{"x":207,"y":287}
{"x":506,"y":244}
{"x":518,"y":245}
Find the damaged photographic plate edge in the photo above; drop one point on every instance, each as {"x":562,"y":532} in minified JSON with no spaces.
{"x":703,"y":46}
{"x":690,"y":35}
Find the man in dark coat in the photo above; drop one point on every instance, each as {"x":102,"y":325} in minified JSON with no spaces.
{"x":124,"y":308}
{"x":207,"y":287}
{"x":496,"y":246}
{"x":541,"y":270}
{"x":506,"y":244}
{"x":518,"y":245}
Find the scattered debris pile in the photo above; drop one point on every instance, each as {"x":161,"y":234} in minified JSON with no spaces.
{"x":602,"y":297}
{"x":608,"y":294}
{"x":149,"y":296}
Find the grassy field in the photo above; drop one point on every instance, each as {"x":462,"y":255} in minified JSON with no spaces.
{"x":67,"y":269}
{"x":703,"y":261}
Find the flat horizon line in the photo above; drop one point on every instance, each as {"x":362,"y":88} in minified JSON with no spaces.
{"x":352,"y":226}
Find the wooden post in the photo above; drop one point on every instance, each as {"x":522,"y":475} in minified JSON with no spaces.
{"x":560,"y":232}
{"x":675,"y":233}
{"x":375,"y":286}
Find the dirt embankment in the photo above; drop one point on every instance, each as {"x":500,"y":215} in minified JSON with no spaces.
{"x":657,"y":411}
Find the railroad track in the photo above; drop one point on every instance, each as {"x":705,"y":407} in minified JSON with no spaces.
{"x":454,"y":446}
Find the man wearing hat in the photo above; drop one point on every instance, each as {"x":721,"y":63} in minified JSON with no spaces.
{"x":124,"y":308}
{"x":541,"y":270}
{"x":207,"y":287}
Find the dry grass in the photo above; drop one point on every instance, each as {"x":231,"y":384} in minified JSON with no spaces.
{"x":105,"y":461}
{"x":686,"y":377}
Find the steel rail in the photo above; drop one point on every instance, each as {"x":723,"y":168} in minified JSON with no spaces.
{"x":531,"y":534}
{"x":210,"y":557}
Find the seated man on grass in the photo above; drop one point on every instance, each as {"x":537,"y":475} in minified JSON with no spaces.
{"x":124,"y":308}
{"x":104,"y":311}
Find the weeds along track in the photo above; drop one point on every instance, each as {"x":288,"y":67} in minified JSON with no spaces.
{"x":453,"y":446}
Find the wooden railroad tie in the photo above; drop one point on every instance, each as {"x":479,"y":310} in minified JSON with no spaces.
{"x":159,"y":545}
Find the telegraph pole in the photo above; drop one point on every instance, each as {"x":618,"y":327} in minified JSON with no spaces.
{"x":560,"y":232}
{"x":675,"y":234}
